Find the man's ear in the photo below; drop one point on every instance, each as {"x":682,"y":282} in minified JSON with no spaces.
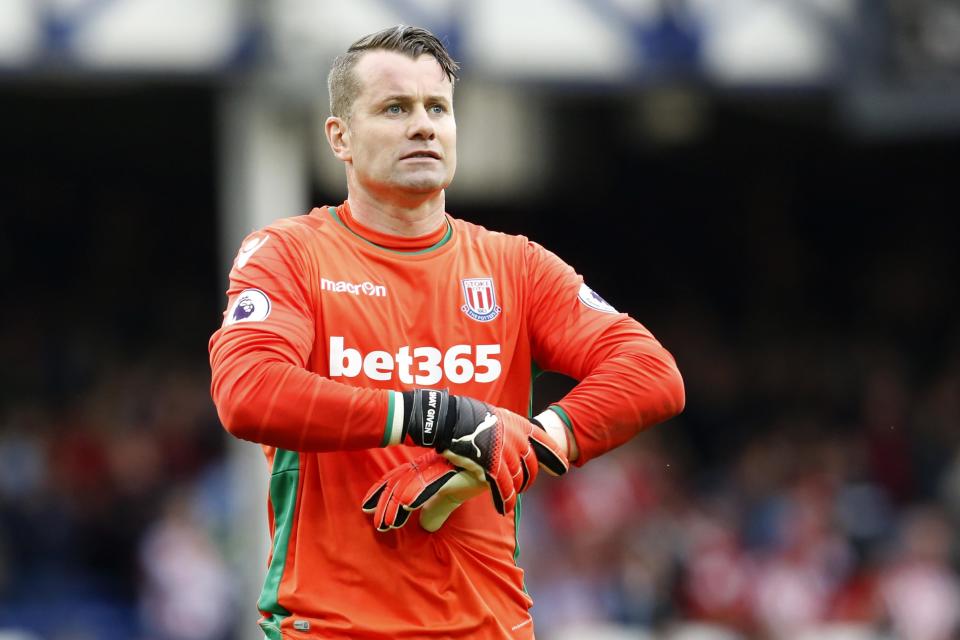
{"x":338,"y":136}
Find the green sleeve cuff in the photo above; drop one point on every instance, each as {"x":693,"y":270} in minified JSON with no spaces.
{"x":393,"y":429}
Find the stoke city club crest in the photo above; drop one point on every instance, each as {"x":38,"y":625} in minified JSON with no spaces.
{"x":480,"y":299}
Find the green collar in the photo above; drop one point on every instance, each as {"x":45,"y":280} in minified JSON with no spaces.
{"x":439,"y":243}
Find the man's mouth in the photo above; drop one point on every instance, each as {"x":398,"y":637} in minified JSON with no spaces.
{"x":432,"y":155}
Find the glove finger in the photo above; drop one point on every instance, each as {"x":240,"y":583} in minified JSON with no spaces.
{"x":527,"y":476}
{"x":428,"y":491}
{"x":381,"y":522}
{"x":391,"y":511}
{"x":402,"y":516}
{"x":380,"y":517}
{"x":503,"y":487}
{"x":370,"y":501}
{"x":388,"y":506}
{"x":497,"y":496}
{"x":548,"y":453}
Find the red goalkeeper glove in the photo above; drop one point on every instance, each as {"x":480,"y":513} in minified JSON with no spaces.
{"x":490,"y":443}
{"x":430,"y":482}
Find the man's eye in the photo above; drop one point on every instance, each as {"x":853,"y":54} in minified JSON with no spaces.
{"x":438,"y":108}
{"x":394,"y":109}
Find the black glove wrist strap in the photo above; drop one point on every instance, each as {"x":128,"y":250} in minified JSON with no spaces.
{"x":429,"y":415}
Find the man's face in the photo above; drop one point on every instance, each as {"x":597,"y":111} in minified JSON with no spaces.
{"x":401,"y":135}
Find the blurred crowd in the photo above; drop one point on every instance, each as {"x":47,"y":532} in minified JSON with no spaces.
{"x":114,"y":511}
{"x":785,"y":523}
{"x":819,"y":521}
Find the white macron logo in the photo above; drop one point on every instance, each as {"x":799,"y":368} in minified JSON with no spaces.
{"x":487,"y":423}
{"x":364,"y":288}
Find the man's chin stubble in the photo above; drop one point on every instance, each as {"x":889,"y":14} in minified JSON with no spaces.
{"x":422,"y":185}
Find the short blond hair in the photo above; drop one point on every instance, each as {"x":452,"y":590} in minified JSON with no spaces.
{"x":413,"y":42}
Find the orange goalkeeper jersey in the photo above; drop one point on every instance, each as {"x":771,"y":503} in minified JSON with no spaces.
{"x":326,"y":320}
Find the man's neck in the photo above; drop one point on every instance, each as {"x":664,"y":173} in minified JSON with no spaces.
{"x":410,"y":218}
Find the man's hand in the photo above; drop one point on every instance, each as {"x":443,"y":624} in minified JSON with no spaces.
{"x":490,"y":443}
{"x":430,"y":482}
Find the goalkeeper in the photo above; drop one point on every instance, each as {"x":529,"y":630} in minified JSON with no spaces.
{"x":382,"y":353}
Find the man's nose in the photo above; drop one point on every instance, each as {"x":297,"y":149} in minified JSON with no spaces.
{"x":421,"y":126}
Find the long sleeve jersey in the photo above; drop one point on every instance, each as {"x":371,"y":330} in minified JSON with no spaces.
{"x":326,"y":320}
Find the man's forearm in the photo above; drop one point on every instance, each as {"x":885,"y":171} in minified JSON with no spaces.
{"x":282,"y":405}
{"x":625,"y":393}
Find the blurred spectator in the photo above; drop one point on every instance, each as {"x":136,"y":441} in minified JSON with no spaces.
{"x":186,"y":592}
{"x":919,"y":589}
